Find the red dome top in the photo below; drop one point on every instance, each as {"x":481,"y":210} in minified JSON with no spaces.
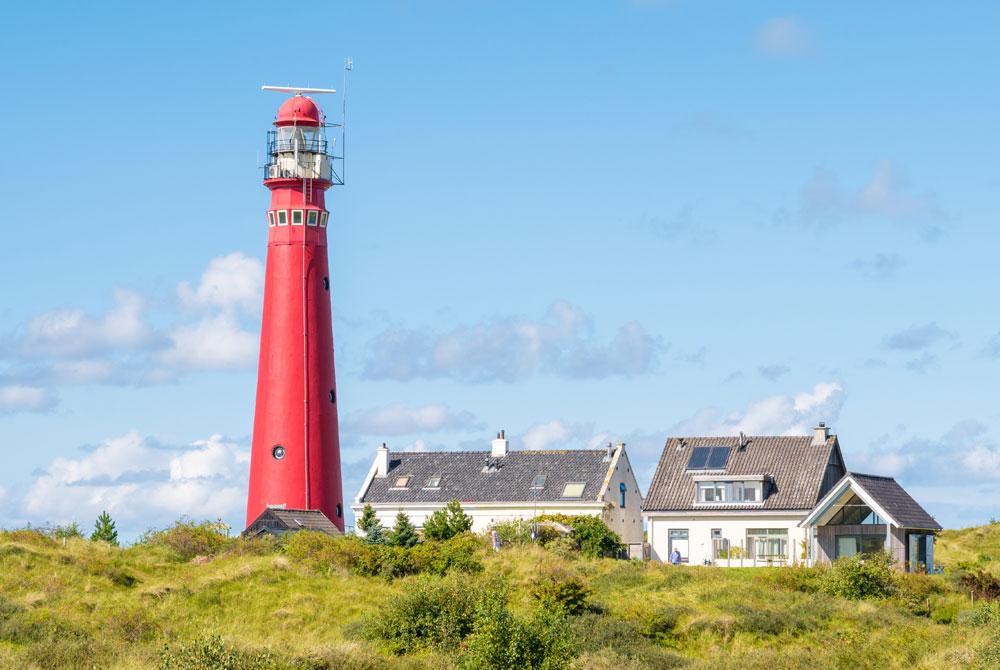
{"x":299,"y":110}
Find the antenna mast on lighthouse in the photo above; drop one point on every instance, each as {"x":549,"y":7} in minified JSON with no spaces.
{"x":295,"y":452}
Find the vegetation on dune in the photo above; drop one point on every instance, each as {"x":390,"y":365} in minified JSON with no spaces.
{"x":191,"y":597}
{"x":975,"y":548}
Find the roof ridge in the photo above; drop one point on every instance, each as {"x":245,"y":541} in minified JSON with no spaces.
{"x":736,"y":437}
{"x":866,"y":474}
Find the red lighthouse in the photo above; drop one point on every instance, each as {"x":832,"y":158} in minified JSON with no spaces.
{"x":295,"y":455}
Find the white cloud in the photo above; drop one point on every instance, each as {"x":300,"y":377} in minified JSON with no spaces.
{"x":214,"y":343}
{"x":71,"y":333}
{"x":232,"y":281}
{"x":775,"y":415}
{"x":400,"y":419}
{"x":562,"y":342}
{"x":545,"y":435}
{"x":16,"y":398}
{"x":142,"y":483}
{"x":782,"y":36}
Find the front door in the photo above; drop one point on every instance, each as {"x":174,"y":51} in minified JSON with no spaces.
{"x":678,"y":539}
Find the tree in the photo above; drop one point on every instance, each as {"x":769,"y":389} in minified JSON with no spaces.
{"x":374,"y":533}
{"x":448,"y":522}
{"x":67,"y":532}
{"x":405,"y":533}
{"x":104,"y":530}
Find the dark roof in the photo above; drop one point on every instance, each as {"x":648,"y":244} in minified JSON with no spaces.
{"x":275,"y":519}
{"x":463,"y":476}
{"x":896,"y":501}
{"x":795,"y":465}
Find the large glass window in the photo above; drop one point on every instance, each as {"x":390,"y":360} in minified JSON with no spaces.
{"x":768,"y":543}
{"x":849,"y":545}
{"x":855,"y":512}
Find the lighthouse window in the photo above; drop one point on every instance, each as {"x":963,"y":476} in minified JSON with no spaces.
{"x":313,"y":218}
{"x":278,"y":452}
{"x":322,"y":219}
{"x":296,"y":217}
{"x":282,"y":217}
{"x":340,"y":510}
{"x":333,"y":396}
{"x":326,"y":283}
{"x":270,"y":219}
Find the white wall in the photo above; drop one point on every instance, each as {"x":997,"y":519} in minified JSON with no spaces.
{"x":483,"y":515}
{"x":627,"y":521}
{"x":734,"y":528}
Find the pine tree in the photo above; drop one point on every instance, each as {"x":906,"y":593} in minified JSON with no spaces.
{"x":458,"y":521}
{"x":448,"y":522}
{"x":104,"y":530}
{"x":405,"y":533}
{"x":369,"y":524}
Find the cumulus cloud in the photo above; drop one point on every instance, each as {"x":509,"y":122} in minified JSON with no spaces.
{"x":775,"y":415}
{"x":918,"y":337}
{"x":232,"y":281}
{"x":823,"y":201}
{"x":880,"y":266}
{"x":213,"y":343}
{"x":782,"y":36}
{"x":401,"y":419}
{"x":562,"y":342}
{"x":141,"y":482}
{"x":71,"y":333}
{"x":16,"y":398}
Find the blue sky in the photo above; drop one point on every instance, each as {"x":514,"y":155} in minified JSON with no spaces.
{"x":577,"y":222}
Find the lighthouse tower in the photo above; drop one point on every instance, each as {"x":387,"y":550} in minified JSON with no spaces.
{"x":295,"y":455}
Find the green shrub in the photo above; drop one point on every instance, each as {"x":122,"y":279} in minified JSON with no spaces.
{"x":608,"y":643}
{"x":461,"y":553}
{"x":212,"y":653}
{"x":104,"y":530}
{"x":514,"y":532}
{"x":448,"y":522}
{"x":981,"y":583}
{"x":404,"y":534}
{"x":795,"y":578}
{"x":369,"y":524}
{"x":433,"y":612}
{"x":502,"y":641}
{"x":564,"y":547}
{"x":660,"y":624}
{"x":562,"y":589}
{"x":381,"y":560}
{"x":187,"y":539}
{"x":861,"y":576}
{"x":591,"y":535}
{"x":988,"y":654}
{"x":985,"y":614}
{"x":314,"y":549}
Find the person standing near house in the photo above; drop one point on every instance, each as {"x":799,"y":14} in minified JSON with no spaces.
{"x":675,"y":556}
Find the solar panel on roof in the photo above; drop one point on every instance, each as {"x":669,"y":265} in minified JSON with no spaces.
{"x":718,"y":458}
{"x":699,"y":457}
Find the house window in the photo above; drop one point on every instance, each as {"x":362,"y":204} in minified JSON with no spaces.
{"x":855,"y":513}
{"x":322,"y":219}
{"x":849,"y":545}
{"x":296,"y":217}
{"x":538,"y":482}
{"x":573,"y":490}
{"x":270,"y":219}
{"x":621,"y":495}
{"x":433,"y":482}
{"x":282,"y":217}
{"x":401,"y":482}
{"x":768,"y":544}
{"x":720,"y":545}
{"x":312,"y":217}
{"x":729,"y":492}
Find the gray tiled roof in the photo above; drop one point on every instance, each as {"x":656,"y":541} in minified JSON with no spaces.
{"x":463,"y":478}
{"x":896,"y":501}
{"x":796,"y":466}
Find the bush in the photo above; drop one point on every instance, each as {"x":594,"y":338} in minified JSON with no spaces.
{"x":988,"y":655}
{"x":981,"y":583}
{"x":187,"y":539}
{"x":369,"y":524}
{"x":861,"y":576}
{"x":446,"y":523}
{"x":796,"y":578}
{"x":314,"y":549}
{"x":404,"y":534}
{"x":501,"y":641}
{"x":462,"y":553}
{"x":514,"y":532}
{"x":212,"y":653}
{"x":607,"y":643}
{"x":432,"y":613}
{"x":986,"y":614}
{"x":561,"y":589}
{"x":590,"y":535}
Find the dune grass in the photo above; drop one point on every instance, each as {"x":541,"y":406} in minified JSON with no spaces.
{"x":82,"y":604}
{"x":977,"y":547}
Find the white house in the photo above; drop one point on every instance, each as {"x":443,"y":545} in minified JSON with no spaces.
{"x":770,"y":500}
{"x":504,"y":485}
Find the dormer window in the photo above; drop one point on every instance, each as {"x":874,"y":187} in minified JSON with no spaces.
{"x":573,"y":490}
{"x":729,"y":493}
{"x":433,"y":482}
{"x":401,"y":482}
{"x":538,"y":482}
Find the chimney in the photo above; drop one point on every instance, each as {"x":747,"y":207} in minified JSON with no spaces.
{"x":382,"y":461}
{"x":499,"y":446}
{"x":610,"y":454}
{"x":820,"y":434}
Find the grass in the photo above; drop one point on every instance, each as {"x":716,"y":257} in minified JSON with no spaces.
{"x":88,"y":605}
{"x":977,"y":547}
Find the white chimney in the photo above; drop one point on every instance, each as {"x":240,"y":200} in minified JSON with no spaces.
{"x":820,"y":434}
{"x":499,"y":446}
{"x":382,"y":461}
